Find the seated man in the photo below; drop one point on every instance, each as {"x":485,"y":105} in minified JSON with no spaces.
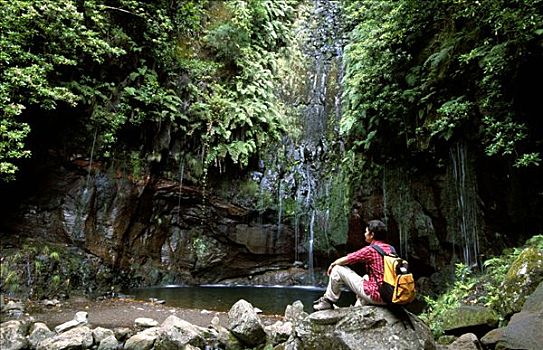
{"x":366,"y":288}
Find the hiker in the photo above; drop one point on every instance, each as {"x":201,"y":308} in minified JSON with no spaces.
{"x":366,"y":288}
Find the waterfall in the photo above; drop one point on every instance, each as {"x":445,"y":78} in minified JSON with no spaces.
{"x":310,"y":266}
{"x":322,"y":113}
{"x":303,"y":173}
{"x":465,"y":191}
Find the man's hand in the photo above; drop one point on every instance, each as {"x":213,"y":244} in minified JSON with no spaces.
{"x":340,"y":261}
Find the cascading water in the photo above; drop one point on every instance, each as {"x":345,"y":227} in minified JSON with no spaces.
{"x":324,"y":50}
{"x":302,"y":175}
{"x":320,"y":117}
{"x":466,"y":192}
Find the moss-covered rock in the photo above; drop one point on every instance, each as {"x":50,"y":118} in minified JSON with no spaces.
{"x":37,"y":270}
{"x":522,"y":279}
{"x":469,"y":318}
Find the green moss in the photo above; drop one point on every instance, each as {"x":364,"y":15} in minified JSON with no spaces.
{"x":522,"y":279}
{"x":39,"y":271}
{"x":465,"y":316}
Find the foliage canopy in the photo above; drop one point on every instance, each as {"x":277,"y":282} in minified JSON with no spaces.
{"x":421,"y":75}
{"x":196,"y":81}
{"x":196,"y":76}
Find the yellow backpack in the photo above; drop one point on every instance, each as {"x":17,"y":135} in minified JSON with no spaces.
{"x":398,"y":286}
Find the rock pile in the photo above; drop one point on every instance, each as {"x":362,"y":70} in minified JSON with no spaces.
{"x":366,"y":327}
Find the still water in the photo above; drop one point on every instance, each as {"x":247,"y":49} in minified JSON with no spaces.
{"x":271,"y":300}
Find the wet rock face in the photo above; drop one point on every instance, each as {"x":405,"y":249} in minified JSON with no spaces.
{"x":156,"y":224}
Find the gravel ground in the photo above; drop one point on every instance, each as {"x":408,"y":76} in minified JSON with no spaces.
{"x":114,"y":313}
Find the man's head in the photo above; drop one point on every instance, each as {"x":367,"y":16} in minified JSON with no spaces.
{"x":378,"y":229}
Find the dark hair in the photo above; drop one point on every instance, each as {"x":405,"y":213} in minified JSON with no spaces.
{"x":378,"y":228}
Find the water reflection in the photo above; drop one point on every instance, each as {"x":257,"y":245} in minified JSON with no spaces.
{"x":270,"y":299}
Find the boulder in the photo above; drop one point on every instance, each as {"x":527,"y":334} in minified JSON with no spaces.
{"x":75,"y":338}
{"x":109,"y":343}
{"x":100,"y":333}
{"x":38,"y":332}
{"x":364,"y":327}
{"x":469,"y":319}
{"x":522,"y":279}
{"x":468,"y":341}
{"x":143,"y":340}
{"x":122,"y":333}
{"x":177,"y":333}
{"x":13,"y":335}
{"x":245,"y":324}
{"x":223,"y":335}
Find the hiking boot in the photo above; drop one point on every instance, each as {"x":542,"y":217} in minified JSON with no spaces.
{"x":322,"y":304}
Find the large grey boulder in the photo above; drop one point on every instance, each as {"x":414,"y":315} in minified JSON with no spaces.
{"x":109,"y":343}
{"x":38,"y":332}
{"x":244,"y":323}
{"x":100,"y":333}
{"x":177,"y":333}
{"x":13,"y":335}
{"x":75,"y":338}
{"x":358,"y":328}
{"x":144,"y":340}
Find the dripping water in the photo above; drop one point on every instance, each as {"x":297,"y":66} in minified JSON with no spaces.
{"x":78,"y":223}
{"x":87,"y":182}
{"x":181,"y":172}
{"x":465,"y":192}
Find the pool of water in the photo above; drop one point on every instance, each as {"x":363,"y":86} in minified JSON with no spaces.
{"x":269,"y":299}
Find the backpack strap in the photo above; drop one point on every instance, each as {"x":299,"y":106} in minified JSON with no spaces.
{"x":381,"y":251}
